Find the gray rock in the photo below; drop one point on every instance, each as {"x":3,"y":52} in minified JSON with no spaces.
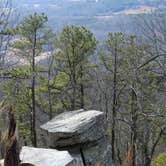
{"x":46,"y":157}
{"x":82,"y":133}
{"x":1,"y":162}
{"x":100,"y":153}
{"x":73,"y":128}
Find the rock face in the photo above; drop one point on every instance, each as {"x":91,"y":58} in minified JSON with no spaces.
{"x":46,"y":157}
{"x":81,"y":133}
{"x":1,"y":162}
{"x":75,"y":127}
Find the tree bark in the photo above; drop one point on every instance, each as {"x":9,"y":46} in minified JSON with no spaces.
{"x":49,"y":95}
{"x":114,"y":102}
{"x":133,"y":126}
{"x":74,"y":82}
{"x":12,"y":148}
{"x":33,"y":94}
{"x":82,"y":88}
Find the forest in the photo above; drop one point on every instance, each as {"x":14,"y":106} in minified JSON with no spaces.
{"x":44,"y":73}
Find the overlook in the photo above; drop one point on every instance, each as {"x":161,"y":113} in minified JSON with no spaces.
{"x":82,"y":83}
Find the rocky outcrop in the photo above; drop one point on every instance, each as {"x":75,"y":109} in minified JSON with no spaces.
{"x":46,"y":157}
{"x":82,"y":133}
{"x":72,"y":128}
{"x":1,"y":162}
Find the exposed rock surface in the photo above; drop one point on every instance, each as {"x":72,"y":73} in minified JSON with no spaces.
{"x":46,"y":157}
{"x":81,"y":133}
{"x":1,"y":162}
{"x":12,"y":59}
{"x":75,"y":127}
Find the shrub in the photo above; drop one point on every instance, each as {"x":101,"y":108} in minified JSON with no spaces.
{"x":160,"y":160}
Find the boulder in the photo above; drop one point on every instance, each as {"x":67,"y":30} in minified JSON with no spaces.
{"x":82,"y":133}
{"x":46,"y":157}
{"x":1,"y":162}
{"x":73,"y":128}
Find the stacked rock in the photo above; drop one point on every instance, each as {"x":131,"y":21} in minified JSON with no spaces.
{"x":82,"y":133}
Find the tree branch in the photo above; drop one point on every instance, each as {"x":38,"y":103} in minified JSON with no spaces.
{"x":150,"y":60}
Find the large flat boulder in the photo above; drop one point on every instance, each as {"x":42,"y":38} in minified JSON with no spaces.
{"x":46,"y":157}
{"x":82,"y":133}
{"x":74,"y":128}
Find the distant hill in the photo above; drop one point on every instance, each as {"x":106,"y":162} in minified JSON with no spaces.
{"x":101,"y":16}
{"x":83,"y":7}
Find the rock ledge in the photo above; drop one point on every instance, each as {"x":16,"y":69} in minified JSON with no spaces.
{"x":46,"y":157}
{"x":82,"y":133}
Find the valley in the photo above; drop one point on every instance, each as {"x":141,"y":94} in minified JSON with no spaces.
{"x":100,"y":16}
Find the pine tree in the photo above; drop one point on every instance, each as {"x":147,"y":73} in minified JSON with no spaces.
{"x":76,"y":44}
{"x":32,"y":37}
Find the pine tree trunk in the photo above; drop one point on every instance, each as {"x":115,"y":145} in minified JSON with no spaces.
{"x":33,"y":95}
{"x":114,"y":103}
{"x":74,"y":84}
{"x":134,"y":127}
{"x":82,"y":89}
{"x":49,"y":95}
